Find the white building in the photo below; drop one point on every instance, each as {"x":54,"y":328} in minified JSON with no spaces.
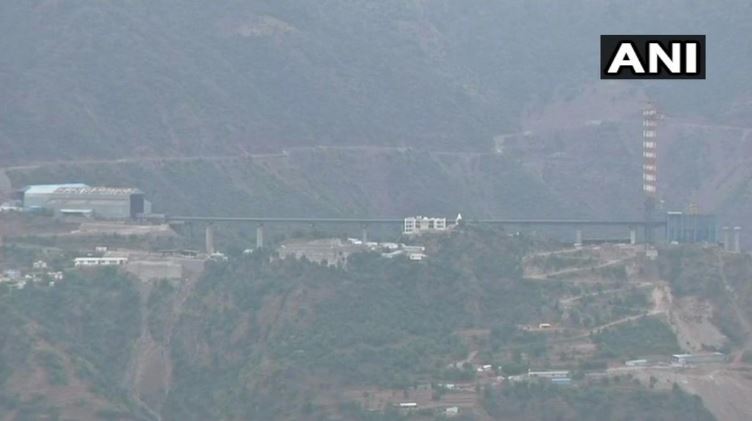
{"x":99,"y":261}
{"x":550,"y":374}
{"x":413,"y":249}
{"x":392,"y":254}
{"x":684,"y":360}
{"x":452,"y":411}
{"x":218,"y":257}
{"x":421,"y":224}
{"x":56,"y":276}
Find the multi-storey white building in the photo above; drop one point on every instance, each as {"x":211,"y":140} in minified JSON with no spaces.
{"x":421,"y":224}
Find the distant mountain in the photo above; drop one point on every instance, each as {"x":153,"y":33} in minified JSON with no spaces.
{"x":105,"y":79}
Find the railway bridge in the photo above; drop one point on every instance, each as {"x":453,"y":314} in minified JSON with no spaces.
{"x":577,"y":224}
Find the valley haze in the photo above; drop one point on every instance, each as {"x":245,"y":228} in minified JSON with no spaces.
{"x":374,"y":210}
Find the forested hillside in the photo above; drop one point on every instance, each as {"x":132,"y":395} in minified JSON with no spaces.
{"x":323,"y":182}
{"x":259,"y":337}
{"x":369,"y":109}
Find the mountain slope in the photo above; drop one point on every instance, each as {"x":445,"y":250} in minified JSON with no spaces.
{"x":260,"y":337}
{"x":106,"y":79}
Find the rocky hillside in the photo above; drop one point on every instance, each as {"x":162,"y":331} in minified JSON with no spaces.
{"x":585,"y":171}
{"x":137,"y":93}
{"x":262,"y":338}
{"x":386,"y":182}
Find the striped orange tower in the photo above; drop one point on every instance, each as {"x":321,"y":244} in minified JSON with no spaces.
{"x":650,"y":118}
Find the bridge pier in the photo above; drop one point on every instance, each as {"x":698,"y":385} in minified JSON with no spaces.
{"x":364,"y":234}
{"x":649,"y":234}
{"x":578,"y":237}
{"x":260,"y":236}
{"x":737,"y":239}
{"x":191,"y":234}
{"x":632,"y":235}
{"x":209,"y":239}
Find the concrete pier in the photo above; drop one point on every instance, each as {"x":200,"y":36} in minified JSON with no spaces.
{"x":260,"y":236}
{"x":209,"y":238}
{"x":726,"y":238}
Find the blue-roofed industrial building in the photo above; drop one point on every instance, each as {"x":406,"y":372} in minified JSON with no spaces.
{"x":37,"y":196}
{"x":81,"y":199}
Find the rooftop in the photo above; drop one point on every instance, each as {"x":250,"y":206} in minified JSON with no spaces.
{"x":51,"y":188}
{"x":707,"y":354}
{"x":103,"y":191}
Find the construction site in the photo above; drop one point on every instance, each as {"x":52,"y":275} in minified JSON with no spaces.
{"x":608,"y":278}
{"x":81,"y":211}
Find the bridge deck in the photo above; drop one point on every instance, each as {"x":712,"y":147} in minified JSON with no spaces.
{"x":399,"y":221}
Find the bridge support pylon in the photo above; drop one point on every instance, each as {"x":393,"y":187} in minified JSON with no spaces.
{"x":209,"y":238}
{"x":737,"y":240}
{"x":578,"y":238}
{"x":260,"y":236}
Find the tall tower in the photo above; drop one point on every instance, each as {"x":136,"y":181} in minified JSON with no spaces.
{"x":649,"y":166}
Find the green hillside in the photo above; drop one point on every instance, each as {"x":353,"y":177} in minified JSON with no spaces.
{"x":322,"y":182}
{"x":262,"y":338}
